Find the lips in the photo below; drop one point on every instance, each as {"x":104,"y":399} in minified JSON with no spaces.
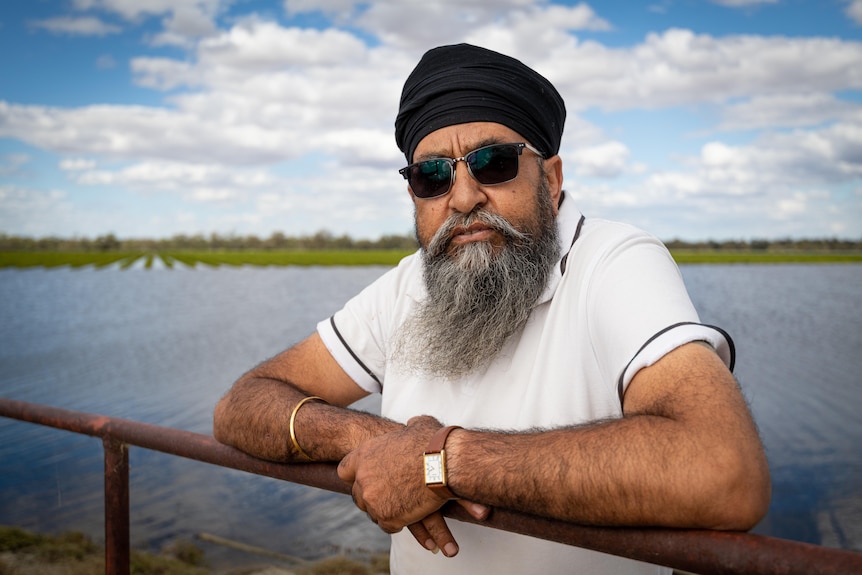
{"x":474,"y":228}
{"x":475,"y":232}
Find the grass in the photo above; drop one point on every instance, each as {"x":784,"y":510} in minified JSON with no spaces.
{"x":763,"y":257}
{"x":72,"y":553}
{"x":203,"y":257}
{"x":55,"y":259}
{"x":289,"y":257}
{"x":233,"y":258}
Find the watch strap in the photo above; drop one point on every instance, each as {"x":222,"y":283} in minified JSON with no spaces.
{"x":438,"y":440}
{"x":438,"y":445}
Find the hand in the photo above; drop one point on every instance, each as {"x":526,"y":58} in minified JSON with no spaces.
{"x":387,"y":476}
{"x":388,"y":484}
{"x":433,"y":533}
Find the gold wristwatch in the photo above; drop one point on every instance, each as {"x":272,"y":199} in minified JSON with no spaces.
{"x":435,"y":463}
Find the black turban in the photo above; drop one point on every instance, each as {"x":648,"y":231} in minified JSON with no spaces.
{"x":463,"y":83}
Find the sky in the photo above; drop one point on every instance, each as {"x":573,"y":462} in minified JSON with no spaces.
{"x":692,"y":119}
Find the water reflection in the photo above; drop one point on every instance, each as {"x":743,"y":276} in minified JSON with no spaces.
{"x":161,"y":346}
{"x":798,"y":329}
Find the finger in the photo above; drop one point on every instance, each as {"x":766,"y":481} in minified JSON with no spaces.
{"x":423,"y":537}
{"x":476,"y":510}
{"x":439,"y":532}
{"x":346,"y":468}
{"x":389,"y":528}
{"x":358,"y":500}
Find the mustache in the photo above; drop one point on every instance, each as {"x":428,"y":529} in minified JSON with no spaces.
{"x":439,"y":243}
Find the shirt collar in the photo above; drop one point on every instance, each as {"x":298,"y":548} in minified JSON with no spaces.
{"x":568,"y":228}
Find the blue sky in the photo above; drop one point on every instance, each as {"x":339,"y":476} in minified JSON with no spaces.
{"x":694,"y":119}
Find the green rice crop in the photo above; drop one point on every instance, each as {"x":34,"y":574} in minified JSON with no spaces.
{"x":764,"y":257}
{"x":54,"y":259}
{"x":125,"y":260}
{"x":290,"y":258}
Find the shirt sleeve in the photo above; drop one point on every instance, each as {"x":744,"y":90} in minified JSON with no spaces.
{"x":671,"y":338}
{"x":639,"y":307}
{"x":358,"y":335}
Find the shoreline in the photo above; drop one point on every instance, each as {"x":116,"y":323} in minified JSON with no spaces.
{"x":192,"y":259}
{"x":24,"y":552}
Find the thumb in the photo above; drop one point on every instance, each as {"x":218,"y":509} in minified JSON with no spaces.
{"x":347,"y":469}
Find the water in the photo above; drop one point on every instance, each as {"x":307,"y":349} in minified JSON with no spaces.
{"x":798,"y":331}
{"x":161,"y":346}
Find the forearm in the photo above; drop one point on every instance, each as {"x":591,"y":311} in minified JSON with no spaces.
{"x":641,"y":470}
{"x":255,"y":415}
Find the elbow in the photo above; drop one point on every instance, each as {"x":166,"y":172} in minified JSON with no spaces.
{"x":220,"y":426}
{"x":227,"y":416}
{"x":742,"y":492}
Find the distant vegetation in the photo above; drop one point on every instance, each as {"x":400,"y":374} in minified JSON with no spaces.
{"x":322,"y":240}
{"x":324,"y":248}
{"x":785,"y":245}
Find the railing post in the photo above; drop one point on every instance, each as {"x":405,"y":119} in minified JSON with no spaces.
{"x":117,"y":543}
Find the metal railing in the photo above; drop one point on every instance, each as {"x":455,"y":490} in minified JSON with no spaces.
{"x":697,"y":551}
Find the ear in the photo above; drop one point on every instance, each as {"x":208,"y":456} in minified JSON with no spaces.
{"x":554,"y":173}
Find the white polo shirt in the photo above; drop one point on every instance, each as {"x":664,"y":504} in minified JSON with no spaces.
{"x":616,"y":303}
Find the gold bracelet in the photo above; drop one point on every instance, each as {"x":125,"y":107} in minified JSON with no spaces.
{"x":293,"y":421}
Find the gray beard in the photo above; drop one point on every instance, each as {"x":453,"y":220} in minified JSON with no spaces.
{"x":477,"y":298}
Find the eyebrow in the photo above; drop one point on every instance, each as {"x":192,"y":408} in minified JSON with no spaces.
{"x":480,"y":144}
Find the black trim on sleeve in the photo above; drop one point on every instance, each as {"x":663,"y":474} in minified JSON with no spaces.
{"x":350,"y":351}
{"x":726,"y":335}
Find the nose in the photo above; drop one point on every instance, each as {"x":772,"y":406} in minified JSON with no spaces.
{"x":466,"y":193}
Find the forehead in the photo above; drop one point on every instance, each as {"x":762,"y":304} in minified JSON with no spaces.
{"x":455,"y":141}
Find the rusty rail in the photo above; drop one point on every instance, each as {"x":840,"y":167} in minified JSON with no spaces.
{"x":698,"y":551}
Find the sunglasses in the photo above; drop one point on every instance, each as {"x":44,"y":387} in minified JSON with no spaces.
{"x":489,"y":165}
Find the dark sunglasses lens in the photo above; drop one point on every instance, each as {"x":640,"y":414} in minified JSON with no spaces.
{"x":494,"y":164}
{"x":431,"y":178}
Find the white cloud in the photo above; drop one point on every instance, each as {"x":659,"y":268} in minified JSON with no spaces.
{"x":787,"y":110}
{"x":680,"y":67}
{"x":77,"y":164}
{"x":288,"y":127}
{"x":136,"y":9}
{"x":164,"y":73}
{"x":138,"y":132}
{"x":106,"y":62}
{"x":523,"y":27}
{"x":264,"y":94}
{"x":740,"y":190}
{"x":31,"y":211}
{"x":184,"y":20}
{"x":605,"y":160}
{"x":260,"y":46}
{"x":359,"y":199}
{"x":199,"y":182}
{"x":84,"y":26}
{"x":784,"y":160}
{"x":854,"y":11}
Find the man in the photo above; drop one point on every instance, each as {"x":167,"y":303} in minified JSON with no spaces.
{"x":562,"y":354}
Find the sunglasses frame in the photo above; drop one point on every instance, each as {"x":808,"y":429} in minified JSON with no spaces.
{"x":451,"y":162}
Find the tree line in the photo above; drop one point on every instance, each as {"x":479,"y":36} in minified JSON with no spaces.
{"x":324,"y":240}
{"x":786,"y":244}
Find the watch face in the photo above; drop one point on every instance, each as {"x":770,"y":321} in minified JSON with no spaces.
{"x":434,"y":468}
